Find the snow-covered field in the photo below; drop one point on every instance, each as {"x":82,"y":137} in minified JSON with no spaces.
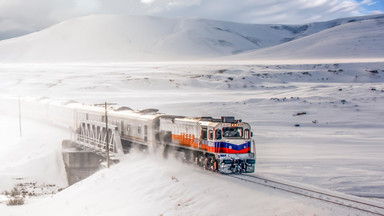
{"x":313,"y":94}
{"x":338,"y":145}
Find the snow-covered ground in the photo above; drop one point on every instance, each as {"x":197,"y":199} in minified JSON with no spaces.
{"x":146,"y":184}
{"x":35,"y":155}
{"x":338,"y":145}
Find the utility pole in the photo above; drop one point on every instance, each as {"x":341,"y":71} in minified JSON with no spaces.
{"x":107,"y":137}
{"x":106,"y":130}
{"x":20,"y":117}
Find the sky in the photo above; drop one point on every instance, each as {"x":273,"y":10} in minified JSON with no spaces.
{"x":18,"y":17}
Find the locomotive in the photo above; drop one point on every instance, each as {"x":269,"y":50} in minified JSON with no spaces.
{"x":224,"y":145}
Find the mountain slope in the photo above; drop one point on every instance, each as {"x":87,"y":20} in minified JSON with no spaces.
{"x":353,"y":40}
{"x":128,"y":38}
{"x":112,"y":38}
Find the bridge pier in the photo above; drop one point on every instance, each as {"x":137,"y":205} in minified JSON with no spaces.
{"x":79,"y":163}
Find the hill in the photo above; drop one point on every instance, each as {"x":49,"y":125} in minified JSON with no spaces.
{"x":113,"y":38}
{"x":353,"y":40}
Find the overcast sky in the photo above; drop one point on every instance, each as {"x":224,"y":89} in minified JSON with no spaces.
{"x":18,"y":17}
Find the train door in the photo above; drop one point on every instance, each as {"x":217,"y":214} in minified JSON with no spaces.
{"x":203,"y":137}
{"x":246,"y":134}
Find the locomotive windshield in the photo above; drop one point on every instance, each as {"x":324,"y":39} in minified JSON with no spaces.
{"x":236,"y":132}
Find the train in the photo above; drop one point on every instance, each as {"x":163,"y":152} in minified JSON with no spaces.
{"x":223,"y":144}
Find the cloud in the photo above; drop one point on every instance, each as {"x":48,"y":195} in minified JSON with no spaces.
{"x":147,"y":1}
{"x":20,"y":16}
{"x":249,"y":11}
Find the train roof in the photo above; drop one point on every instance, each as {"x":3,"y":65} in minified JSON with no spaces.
{"x":120,"y":111}
{"x":136,"y":114}
{"x":204,"y":121}
{"x":127,"y":112}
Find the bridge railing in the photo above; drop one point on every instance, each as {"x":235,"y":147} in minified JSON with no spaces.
{"x":92,"y":136}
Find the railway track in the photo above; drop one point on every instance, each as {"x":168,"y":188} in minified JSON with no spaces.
{"x":372,"y":208}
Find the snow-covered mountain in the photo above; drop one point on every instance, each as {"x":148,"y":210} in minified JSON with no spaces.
{"x":112,"y":38}
{"x":352,"y":40}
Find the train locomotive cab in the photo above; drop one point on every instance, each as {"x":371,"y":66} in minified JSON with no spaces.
{"x":231,"y":142}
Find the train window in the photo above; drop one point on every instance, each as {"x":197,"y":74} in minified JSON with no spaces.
{"x":122,"y":128}
{"x":218,"y":134}
{"x":210,"y":135}
{"x":234,"y":132}
{"x":204,"y":133}
{"x":139,"y":130}
{"x":246,"y":133}
{"x":145,"y":133}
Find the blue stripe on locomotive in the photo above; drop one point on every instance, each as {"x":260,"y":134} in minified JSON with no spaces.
{"x":227,"y":145}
